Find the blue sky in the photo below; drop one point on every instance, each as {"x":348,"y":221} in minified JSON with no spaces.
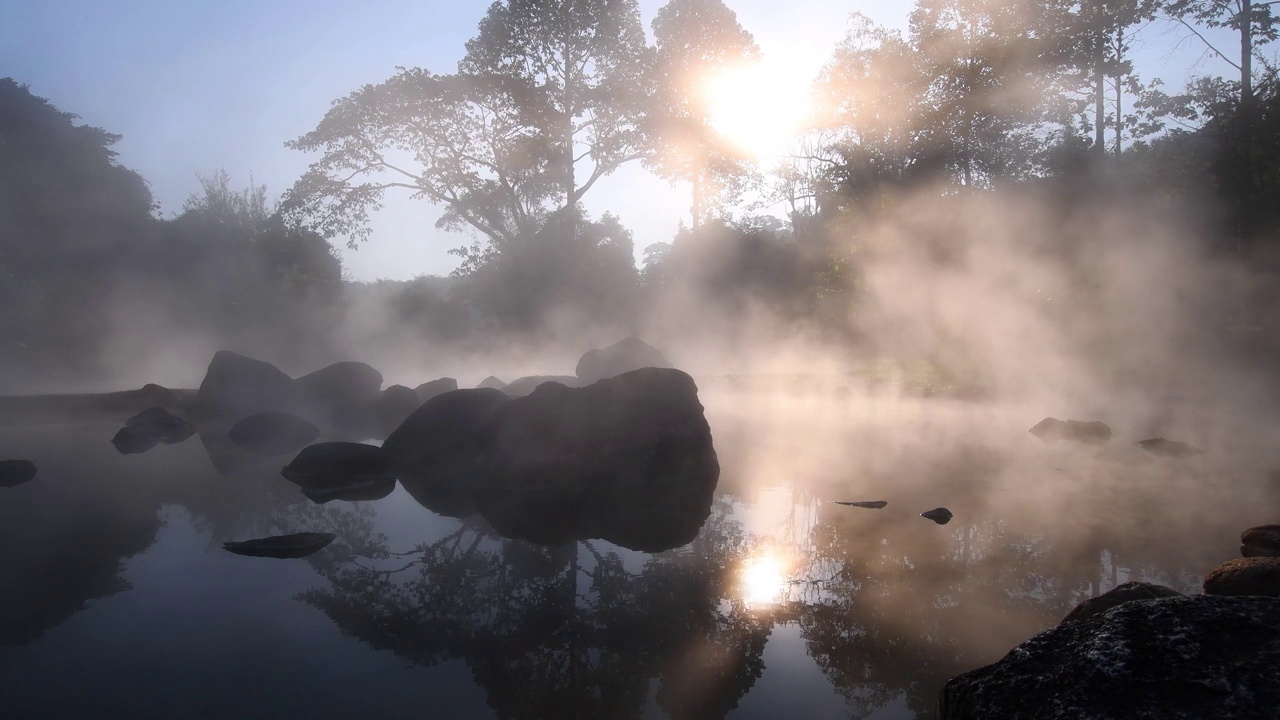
{"x":200,"y":86}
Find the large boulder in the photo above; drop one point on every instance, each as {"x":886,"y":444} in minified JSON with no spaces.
{"x":437,"y":450}
{"x":628,"y":460}
{"x":428,"y":390}
{"x":395,"y":404}
{"x":1118,"y":595}
{"x":235,"y":386}
{"x":1171,"y":658}
{"x":623,"y":356}
{"x":273,"y":433}
{"x":340,"y":394}
{"x":1245,"y":576}
{"x":1263,"y":541}
{"x":525,"y":385}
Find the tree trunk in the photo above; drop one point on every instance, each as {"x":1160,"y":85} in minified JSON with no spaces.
{"x":697,"y":198}
{"x":1246,"y":52}
{"x":571,"y":220}
{"x":1100,"y":102}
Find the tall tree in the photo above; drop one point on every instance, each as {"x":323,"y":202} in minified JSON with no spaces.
{"x":1254,"y":22}
{"x":696,"y":39}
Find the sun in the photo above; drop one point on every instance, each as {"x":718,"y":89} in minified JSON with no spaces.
{"x":763,"y":580}
{"x":758,"y":107}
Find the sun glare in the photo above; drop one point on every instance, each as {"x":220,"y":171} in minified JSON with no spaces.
{"x":764,"y":580}
{"x":758,"y":107}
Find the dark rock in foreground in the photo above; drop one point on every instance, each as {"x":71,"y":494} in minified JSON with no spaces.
{"x":273,"y":433}
{"x":281,"y":546}
{"x":1088,"y":433}
{"x":149,"y":428}
{"x":942,"y":516}
{"x":1261,"y":541}
{"x":1245,"y":576}
{"x":1169,"y":448}
{"x":623,"y":356}
{"x":437,"y":450}
{"x":1168,"y":659}
{"x":235,"y":386}
{"x":1119,"y":595}
{"x":628,"y":460}
{"x":525,"y":385}
{"x":16,"y":472}
{"x":871,"y":504}
{"x":337,"y":463}
{"x":492,"y":383}
{"x":428,"y":390}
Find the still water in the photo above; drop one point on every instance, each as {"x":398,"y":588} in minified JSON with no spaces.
{"x":117,"y":599}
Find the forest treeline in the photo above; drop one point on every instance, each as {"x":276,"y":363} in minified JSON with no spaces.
{"x":1025,"y":100}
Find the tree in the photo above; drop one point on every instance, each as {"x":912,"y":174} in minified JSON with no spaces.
{"x":1254,"y":22}
{"x":696,"y":39}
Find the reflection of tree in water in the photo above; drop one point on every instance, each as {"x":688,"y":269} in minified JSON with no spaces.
{"x":565,"y":631}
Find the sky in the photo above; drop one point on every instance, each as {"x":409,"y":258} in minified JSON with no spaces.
{"x":198,"y":86}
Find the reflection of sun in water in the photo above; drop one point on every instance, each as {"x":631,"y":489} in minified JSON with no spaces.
{"x":758,"y":107}
{"x":764,"y":580}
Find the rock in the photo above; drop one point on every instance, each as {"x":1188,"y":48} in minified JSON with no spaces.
{"x":363,"y":490}
{"x":942,"y":516}
{"x":1088,"y":433}
{"x":336,"y":395}
{"x":1245,"y":576}
{"x":333,"y":464}
{"x":273,"y":433}
{"x":621,"y":357}
{"x":281,"y":546}
{"x":492,"y":383}
{"x":526,"y":385}
{"x":872,"y":504}
{"x":628,"y":459}
{"x":15,"y":472}
{"x":149,"y":428}
{"x":396,"y":403}
{"x":1118,"y":595}
{"x":1261,"y":541}
{"x":436,"y":451}
{"x":1177,"y":658}
{"x":428,"y":390}
{"x":235,"y":386}
{"x":1169,"y":448}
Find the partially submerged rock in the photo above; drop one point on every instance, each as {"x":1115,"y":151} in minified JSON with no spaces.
{"x":1087,"y":433}
{"x":1261,"y":541}
{"x":273,"y":433}
{"x":16,"y":472}
{"x":428,"y":390}
{"x":628,"y":460}
{"x":149,"y":428}
{"x":1245,"y":576}
{"x":437,"y":450}
{"x":235,"y":386}
{"x":1169,"y":659}
{"x":872,"y":504}
{"x":623,"y":356}
{"x":281,"y":546}
{"x":330,"y":464}
{"x":1169,"y":448}
{"x":525,"y":385}
{"x":942,"y":516}
{"x":1119,"y":595}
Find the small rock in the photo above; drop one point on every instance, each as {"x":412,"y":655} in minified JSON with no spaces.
{"x":273,"y":433}
{"x":15,"y":472}
{"x":1245,"y":576}
{"x":1087,"y":433}
{"x":1118,"y":595}
{"x":336,"y":463}
{"x":1261,"y":541}
{"x":872,"y":504}
{"x":149,"y":428}
{"x":281,"y":546}
{"x":1169,"y":448}
{"x":492,"y":383}
{"x":428,"y":390}
{"x":942,"y":516}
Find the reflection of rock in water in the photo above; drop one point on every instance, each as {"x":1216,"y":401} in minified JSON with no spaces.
{"x":296,"y":545}
{"x":628,"y":459}
{"x":16,"y":472}
{"x":869,"y":504}
{"x":149,"y":428}
{"x":1169,"y":448}
{"x":1182,"y":657}
{"x":273,"y":433}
